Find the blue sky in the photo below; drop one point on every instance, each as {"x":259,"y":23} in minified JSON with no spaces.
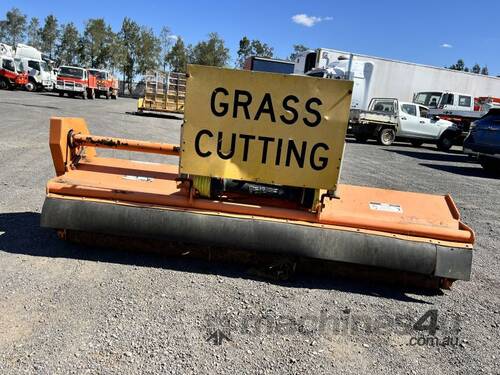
{"x":427,"y":32}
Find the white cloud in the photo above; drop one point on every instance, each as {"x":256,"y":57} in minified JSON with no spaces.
{"x":446,"y":45}
{"x":173,"y":37}
{"x":309,"y":21}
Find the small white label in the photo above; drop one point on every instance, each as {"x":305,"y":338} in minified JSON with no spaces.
{"x":138,"y":178}
{"x":387,"y":207}
{"x":144,"y":162}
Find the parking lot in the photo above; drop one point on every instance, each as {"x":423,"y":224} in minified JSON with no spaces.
{"x":66,"y":308}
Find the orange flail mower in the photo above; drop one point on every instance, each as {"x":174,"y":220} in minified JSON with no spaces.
{"x":411,"y":232}
{"x":124,"y":197}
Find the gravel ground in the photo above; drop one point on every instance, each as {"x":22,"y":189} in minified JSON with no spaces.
{"x":66,"y":308}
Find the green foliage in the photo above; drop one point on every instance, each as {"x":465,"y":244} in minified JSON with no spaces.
{"x":14,"y":27}
{"x":49,"y":35}
{"x":3,"y":31}
{"x":69,"y":45}
{"x":297,"y":50}
{"x":34,"y":33}
{"x":116,"y":55}
{"x":177,"y":58}
{"x":166,"y":41}
{"x":148,"y":51}
{"x":460,"y":65}
{"x":96,"y":41}
{"x":254,"y":47}
{"x":209,"y":52}
{"x":129,"y":38}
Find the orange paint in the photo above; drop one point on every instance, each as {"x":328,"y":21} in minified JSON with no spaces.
{"x":405,"y":215}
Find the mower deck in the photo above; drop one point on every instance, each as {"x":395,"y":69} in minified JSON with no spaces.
{"x":397,"y":230}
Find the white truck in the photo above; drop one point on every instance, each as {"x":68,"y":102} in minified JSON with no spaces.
{"x":459,"y":108}
{"x":388,"y":119}
{"x":376,"y":77}
{"x":40,"y":73}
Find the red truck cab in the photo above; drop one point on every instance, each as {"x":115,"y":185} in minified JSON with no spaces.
{"x":12,"y":74}
{"x":76,"y":81}
{"x":107,"y":84}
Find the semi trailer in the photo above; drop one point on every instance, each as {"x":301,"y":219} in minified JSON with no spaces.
{"x":387,"y":78}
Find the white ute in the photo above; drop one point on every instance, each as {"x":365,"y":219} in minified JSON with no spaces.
{"x":389,"y":119}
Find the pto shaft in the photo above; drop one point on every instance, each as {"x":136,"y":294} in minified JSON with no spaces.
{"x":123,"y":144}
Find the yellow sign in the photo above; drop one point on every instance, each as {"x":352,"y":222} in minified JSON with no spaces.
{"x":269,"y":128}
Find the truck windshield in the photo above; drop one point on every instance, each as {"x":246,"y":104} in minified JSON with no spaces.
{"x":8,"y":64}
{"x":383,"y":106}
{"x":429,"y":99}
{"x":98,"y":74}
{"x":44,"y":67}
{"x":20,"y":66}
{"x":446,"y":99}
{"x":71,"y":72}
{"x":34,"y":64}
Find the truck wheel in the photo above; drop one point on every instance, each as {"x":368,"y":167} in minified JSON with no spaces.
{"x":445,"y":143}
{"x":386,"y":136}
{"x":416,"y":143}
{"x":61,"y":94}
{"x":361,"y":138}
{"x":3,"y":84}
{"x":30,"y":86}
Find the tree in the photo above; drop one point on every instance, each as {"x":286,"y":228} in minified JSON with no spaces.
{"x":3,"y":31}
{"x":261,"y":49}
{"x":69,"y":47}
{"x":49,"y":35}
{"x":129,"y":38}
{"x":14,"y":27}
{"x":97,"y":39}
{"x":476,"y":68}
{"x":297,"y":50}
{"x":244,"y":51}
{"x":148,"y":51}
{"x":484,"y":70}
{"x":177,"y":58}
{"x":460,"y":65}
{"x":34,"y":33}
{"x":166,"y":41}
{"x":116,"y":55}
{"x":210,"y":52}
{"x":254,"y":47}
